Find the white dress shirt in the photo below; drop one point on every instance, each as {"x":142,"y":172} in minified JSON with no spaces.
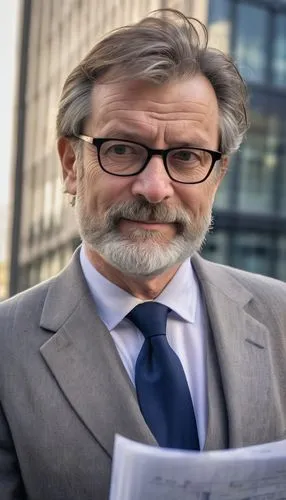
{"x":186,"y":327}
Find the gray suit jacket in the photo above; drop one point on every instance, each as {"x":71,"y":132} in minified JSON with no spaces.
{"x":64,"y":392}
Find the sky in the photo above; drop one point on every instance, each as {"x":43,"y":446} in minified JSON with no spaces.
{"x":9,"y":17}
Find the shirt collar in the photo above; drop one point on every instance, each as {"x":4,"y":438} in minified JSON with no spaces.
{"x":113,"y":303}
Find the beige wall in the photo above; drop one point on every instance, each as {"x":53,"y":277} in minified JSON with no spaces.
{"x":3,"y":280}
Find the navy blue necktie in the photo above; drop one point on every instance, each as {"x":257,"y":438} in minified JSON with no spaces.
{"x":162,"y":390}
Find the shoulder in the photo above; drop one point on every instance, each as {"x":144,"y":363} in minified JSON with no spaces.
{"x":24,"y":304}
{"x":230,"y":278}
{"x":20,"y":332}
{"x":261,"y":297}
{"x":44,"y":307}
{"x":253,"y":279}
{"x":68,"y":283}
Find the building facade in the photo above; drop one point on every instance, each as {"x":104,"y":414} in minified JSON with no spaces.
{"x":251,"y":205}
{"x":250,"y":211}
{"x":3,"y":280}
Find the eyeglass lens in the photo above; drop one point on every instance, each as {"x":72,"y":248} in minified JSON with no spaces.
{"x":127,"y":158}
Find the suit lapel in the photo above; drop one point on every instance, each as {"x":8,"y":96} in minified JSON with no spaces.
{"x":243,"y":357}
{"x":84,"y":360}
{"x":217,"y":430}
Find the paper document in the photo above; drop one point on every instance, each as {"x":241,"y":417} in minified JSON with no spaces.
{"x":142,"y":472}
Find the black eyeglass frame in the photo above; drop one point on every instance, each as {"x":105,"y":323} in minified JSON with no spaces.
{"x":99,"y":141}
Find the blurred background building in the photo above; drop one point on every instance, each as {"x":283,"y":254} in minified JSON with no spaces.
{"x":251,"y":206}
{"x":3,"y":279}
{"x":250,"y":211}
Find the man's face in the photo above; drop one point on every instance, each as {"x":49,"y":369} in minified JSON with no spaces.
{"x":147,"y":223}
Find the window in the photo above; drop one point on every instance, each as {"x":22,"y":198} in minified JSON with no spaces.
{"x":66,"y":253}
{"x":23,"y":278}
{"x":218,"y":11}
{"x":257,"y":164}
{"x":279,"y":53}
{"x":44,"y":269}
{"x":219,"y":25}
{"x":257,"y":31}
{"x":282,"y":157}
{"x":281,"y":264}
{"x":253,"y":252}
{"x":251,"y":42}
{"x":37,"y":210}
{"x":48,"y":204}
{"x":225,"y":198}
{"x":34,"y":273}
{"x":58,"y":202}
{"x":55,"y":263}
{"x":216,"y":248}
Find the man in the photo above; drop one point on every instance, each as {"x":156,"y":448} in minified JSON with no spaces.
{"x":146,"y":125}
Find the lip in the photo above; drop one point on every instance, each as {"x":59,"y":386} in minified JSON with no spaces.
{"x":155,"y":225}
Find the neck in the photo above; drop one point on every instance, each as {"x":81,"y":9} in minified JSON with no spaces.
{"x":142,"y":287}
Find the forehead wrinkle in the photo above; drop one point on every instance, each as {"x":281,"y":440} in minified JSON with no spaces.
{"x":197,"y":116}
{"x":153,"y":106}
{"x":186,"y":135}
{"x":180,"y":106}
{"x":147,"y":126}
{"x":183,"y":134}
{"x":113,"y":103}
{"x":131,"y":97}
{"x":151,"y":97}
{"x":184,"y":131}
{"x":174,"y":116}
{"x":113,"y":115}
{"x":182,"y":115}
{"x":117,"y":127}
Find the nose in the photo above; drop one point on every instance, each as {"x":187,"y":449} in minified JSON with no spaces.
{"x":153,"y":182}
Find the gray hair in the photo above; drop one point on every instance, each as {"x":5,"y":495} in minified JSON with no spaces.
{"x":164,"y":46}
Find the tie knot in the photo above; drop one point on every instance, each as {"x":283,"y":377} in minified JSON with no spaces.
{"x":150,"y":318}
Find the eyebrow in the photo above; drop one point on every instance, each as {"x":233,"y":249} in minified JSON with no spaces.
{"x":128,"y":136}
{"x":137,"y":137}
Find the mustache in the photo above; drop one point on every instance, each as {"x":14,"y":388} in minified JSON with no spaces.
{"x":143,"y":211}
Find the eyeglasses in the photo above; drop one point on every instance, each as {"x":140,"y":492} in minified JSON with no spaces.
{"x":188,"y":165}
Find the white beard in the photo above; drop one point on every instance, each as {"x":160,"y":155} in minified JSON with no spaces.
{"x":142,"y":252}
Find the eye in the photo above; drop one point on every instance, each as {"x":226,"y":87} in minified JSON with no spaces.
{"x":185,"y":155}
{"x":120,"y":149}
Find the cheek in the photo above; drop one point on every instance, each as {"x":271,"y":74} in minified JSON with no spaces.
{"x":197,"y":199}
{"x":87,"y":186}
{"x":100,"y":190}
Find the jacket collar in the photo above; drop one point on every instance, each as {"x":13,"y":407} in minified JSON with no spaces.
{"x":84,"y":360}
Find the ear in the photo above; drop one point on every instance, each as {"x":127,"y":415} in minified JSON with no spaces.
{"x":223,"y":167}
{"x":68,"y":160}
